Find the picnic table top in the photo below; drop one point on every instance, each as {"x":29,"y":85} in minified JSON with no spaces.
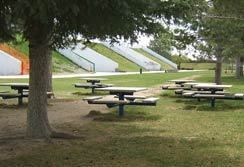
{"x":198,"y":83}
{"x":94,"y":79}
{"x":182,"y":80}
{"x":15,"y":84}
{"x":122,"y":89}
{"x":212,"y":86}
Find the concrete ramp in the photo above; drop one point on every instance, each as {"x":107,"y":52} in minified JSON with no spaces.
{"x":172,"y":64}
{"x":89,"y":59}
{"x":9,"y":65}
{"x":134,"y":56}
{"x":25,"y":65}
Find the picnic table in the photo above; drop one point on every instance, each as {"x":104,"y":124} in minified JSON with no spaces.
{"x":20,"y":87}
{"x":213,"y":95}
{"x":211,"y":87}
{"x":181,"y":82}
{"x":122,"y":96}
{"x":94,"y":83}
{"x":121,"y":92}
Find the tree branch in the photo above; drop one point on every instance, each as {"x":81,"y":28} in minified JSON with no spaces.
{"x":224,"y":17}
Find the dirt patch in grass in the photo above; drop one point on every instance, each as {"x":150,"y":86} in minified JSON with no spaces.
{"x":13,"y":123}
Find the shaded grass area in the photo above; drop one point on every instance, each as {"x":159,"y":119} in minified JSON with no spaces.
{"x":124,"y":64}
{"x":177,"y":132}
{"x":164,"y":65}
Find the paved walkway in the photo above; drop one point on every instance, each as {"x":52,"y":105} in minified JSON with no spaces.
{"x":88,"y":74}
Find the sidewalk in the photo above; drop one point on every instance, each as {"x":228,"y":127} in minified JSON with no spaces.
{"x":80,"y":75}
{"x":91,"y":74}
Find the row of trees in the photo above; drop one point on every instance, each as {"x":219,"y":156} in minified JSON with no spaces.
{"x":49,"y":24}
{"x":216,"y":30}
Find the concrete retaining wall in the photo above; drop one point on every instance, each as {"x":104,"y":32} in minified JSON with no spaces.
{"x":9,"y":65}
{"x":172,"y":64}
{"x":134,"y":56}
{"x":89,"y":59}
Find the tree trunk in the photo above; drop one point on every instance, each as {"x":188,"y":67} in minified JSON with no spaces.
{"x":241,"y":67}
{"x":49,"y":62}
{"x":37,"y":119}
{"x":218,"y":69}
{"x":238,"y":69}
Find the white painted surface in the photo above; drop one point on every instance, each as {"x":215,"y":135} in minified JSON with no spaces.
{"x":159,"y":57}
{"x":89,"y":59}
{"x":134,"y":56}
{"x":9,"y":65}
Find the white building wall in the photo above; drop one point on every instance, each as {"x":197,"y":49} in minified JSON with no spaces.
{"x":77,"y":59}
{"x":160,"y":57}
{"x":89,"y":59}
{"x":9,"y":65}
{"x":134,"y":56}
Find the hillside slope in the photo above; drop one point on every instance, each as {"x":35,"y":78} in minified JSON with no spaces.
{"x":124,"y":64}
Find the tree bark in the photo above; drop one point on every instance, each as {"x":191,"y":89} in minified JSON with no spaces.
{"x":37,"y":119}
{"x":40,"y":78}
{"x":238,"y":69}
{"x":218,"y":69}
{"x":241,"y":67}
{"x":49,"y":62}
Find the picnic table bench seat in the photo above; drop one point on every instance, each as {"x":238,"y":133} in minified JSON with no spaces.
{"x":237,"y":96}
{"x":104,"y":85}
{"x":141,"y":100}
{"x":7,"y":95}
{"x":181,"y":91}
{"x":176,"y":88}
{"x":165,"y":86}
{"x":132,"y":97}
{"x":213,"y":97}
{"x":4,"y":91}
{"x":86,"y":86}
{"x":151,"y":100}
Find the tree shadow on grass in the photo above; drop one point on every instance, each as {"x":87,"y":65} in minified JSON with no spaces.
{"x":130,"y":147}
{"x":130,"y":116}
{"x":205,"y":105}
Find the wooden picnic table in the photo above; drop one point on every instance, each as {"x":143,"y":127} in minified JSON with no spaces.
{"x":121,"y":92}
{"x":20,"y":87}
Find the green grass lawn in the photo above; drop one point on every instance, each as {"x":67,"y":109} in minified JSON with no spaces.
{"x":178,"y":132}
{"x":163,"y":64}
{"x":201,"y":66}
{"x":124,"y":64}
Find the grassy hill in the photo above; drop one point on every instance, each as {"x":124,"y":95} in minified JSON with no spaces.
{"x":163,"y":65}
{"x":201,"y":66}
{"x":60,"y":63}
{"x":124,"y":64}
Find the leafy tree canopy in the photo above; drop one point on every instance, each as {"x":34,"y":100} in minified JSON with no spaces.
{"x":63,"y":20}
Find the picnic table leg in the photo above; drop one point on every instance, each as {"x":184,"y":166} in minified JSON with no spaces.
{"x":20,"y":98}
{"x":93,"y":90}
{"x":121,"y":106}
{"x":212,"y":102}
